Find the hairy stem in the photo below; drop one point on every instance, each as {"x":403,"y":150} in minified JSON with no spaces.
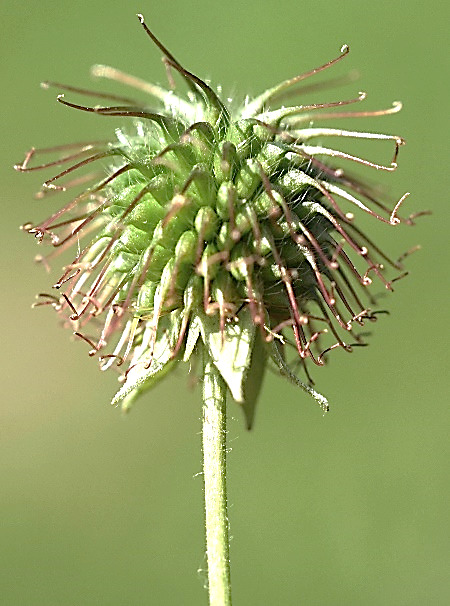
{"x":214,"y":473}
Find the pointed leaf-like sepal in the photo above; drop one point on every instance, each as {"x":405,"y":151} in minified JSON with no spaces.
{"x":255,"y":376}
{"x":139,"y":378}
{"x":277,"y":355}
{"x":230,"y":348}
{"x":192,"y":338}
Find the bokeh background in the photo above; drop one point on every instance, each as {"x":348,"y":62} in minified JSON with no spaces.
{"x":347,"y":509}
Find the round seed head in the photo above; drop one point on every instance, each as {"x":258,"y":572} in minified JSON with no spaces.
{"x":233,"y":230}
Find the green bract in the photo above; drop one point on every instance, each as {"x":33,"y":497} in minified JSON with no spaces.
{"x":214,"y":228}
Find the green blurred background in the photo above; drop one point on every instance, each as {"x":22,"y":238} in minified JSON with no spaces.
{"x":347,"y":509}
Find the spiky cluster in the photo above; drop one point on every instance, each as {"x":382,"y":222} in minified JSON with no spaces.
{"x":211,"y":225}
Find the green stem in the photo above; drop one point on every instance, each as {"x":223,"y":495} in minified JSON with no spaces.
{"x":214,"y":473}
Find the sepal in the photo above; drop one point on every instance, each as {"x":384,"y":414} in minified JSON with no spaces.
{"x":277,"y":356}
{"x":230,"y":349}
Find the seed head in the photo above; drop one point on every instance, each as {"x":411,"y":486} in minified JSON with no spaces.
{"x":227,"y":229}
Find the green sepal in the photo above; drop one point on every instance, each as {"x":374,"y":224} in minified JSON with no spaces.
{"x":139,"y":378}
{"x":277,"y":355}
{"x":192,"y":298}
{"x":254,"y":379}
{"x":127,"y":397}
{"x":231,"y":351}
{"x":192,"y":338}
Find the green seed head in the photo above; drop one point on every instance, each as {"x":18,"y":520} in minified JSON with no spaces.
{"x":230,"y":230}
